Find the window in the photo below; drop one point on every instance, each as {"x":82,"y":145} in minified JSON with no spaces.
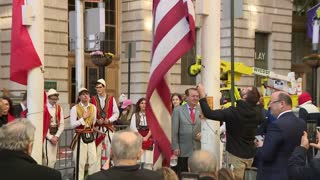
{"x":186,"y":61}
{"x":260,"y":54}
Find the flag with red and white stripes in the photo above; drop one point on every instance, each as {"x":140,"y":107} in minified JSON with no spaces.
{"x":173,"y":36}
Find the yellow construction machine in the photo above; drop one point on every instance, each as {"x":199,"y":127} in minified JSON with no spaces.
{"x":270,"y":82}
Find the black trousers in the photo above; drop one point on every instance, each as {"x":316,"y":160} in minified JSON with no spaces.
{"x":182,"y":166}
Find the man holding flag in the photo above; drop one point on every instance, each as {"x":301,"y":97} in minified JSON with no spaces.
{"x":173,"y":36}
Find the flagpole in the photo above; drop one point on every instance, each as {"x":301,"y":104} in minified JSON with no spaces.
{"x":210,"y":51}
{"x":35,"y":85}
{"x":79,"y":51}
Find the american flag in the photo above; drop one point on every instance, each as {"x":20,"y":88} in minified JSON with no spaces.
{"x":173,"y":36}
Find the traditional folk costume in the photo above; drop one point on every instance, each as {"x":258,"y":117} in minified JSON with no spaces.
{"x":83,"y":144}
{"x":106,"y":108}
{"x":55,"y":129}
{"x":139,"y":124}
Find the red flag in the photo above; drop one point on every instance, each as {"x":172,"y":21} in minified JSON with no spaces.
{"x":23,"y":54}
{"x":174,"y":35}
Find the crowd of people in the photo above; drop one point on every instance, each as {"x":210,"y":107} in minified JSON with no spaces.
{"x":274,"y":140}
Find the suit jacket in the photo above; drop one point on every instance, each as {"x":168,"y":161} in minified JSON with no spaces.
{"x":298,"y":169}
{"x":16,"y":165}
{"x":282,"y":136}
{"x":126,"y":172}
{"x":184,"y":131}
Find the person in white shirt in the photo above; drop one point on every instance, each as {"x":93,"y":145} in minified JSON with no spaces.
{"x":83,"y":118}
{"x":139,"y":124}
{"x":51,"y":143}
{"x":107,"y":113}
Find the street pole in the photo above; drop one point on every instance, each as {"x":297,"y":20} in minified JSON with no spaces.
{"x":35,"y":87}
{"x":232,"y":50}
{"x":79,"y":50}
{"x":129,"y":68}
{"x":210,"y":51}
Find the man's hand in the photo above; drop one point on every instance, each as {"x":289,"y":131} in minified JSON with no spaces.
{"x":198,"y":136}
{"x":304,"y":140}
{"x":317,"y":146}
{"x":100,"y":121}
{"x":144,"y":138}
{"x":106,"y":121}
{"x":176,"y":152}
{"x":258,"y":143}
{"x":201,"y":90}
{"x":86,"y":115}
{"x":106,"y":165}
{"x":54,"y":140}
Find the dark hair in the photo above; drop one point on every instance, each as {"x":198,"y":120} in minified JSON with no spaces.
{"x":24,"y":97}
{"x":188,"y":90}
{"x":138,"y":103}
{"x":179,"y":96}
{"x":97,"y":83}
{"x":11,"y":110}
{"x":253,"y":96}
{"x":285,"y":97}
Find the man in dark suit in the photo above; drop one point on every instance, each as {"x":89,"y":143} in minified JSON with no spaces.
{"x":16,"y":140}
{"x":282,"y":136}
{"x":126,"y":149}
{"x":19,"y":110}
{"x":186,"y":131}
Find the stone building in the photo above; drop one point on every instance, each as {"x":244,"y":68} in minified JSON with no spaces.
{"x":263,"y":38}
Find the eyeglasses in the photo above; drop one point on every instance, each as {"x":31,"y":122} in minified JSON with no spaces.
{"x":272,"y":102}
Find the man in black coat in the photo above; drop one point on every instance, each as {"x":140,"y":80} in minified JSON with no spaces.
{"x":282,"y":136}
{"x":126,"y":149}
{"x":16,"y":140}
{"x":241,"y":124}
{"x":19,"y":110}
{"x":298,"y":169}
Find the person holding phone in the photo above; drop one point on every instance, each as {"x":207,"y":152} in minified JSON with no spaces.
{"x":282,"y":136}
{"x":298,"y":169}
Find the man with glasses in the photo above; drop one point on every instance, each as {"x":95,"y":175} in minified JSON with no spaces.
{"x":107,"y":113}
{"x":56,"y":127}
{"x":282,"y":136}
{"x":241,"y":124}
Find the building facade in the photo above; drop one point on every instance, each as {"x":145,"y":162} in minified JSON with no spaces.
{"x":263,"y":38}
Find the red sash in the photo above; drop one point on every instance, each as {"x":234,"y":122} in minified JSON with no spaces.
{"x":108,"y":109}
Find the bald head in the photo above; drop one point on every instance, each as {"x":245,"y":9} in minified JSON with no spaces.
{"x":202,"y":162}
{"x":126,"y":145}
{"x":280,"y":101}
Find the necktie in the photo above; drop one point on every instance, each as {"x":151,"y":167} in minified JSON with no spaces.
{"x":192,"y":115}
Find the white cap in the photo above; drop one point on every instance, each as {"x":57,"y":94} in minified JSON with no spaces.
{"x":122,"y":98}
{"x":82,"y":89}
{"x":101,"y":81}
{"x":52,"y":92}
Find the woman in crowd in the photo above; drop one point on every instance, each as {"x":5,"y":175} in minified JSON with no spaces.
{"x":127,"y":113}
{"x":139,"y":124}
{"x":7,"y":111}
{"x":176,"y":100}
